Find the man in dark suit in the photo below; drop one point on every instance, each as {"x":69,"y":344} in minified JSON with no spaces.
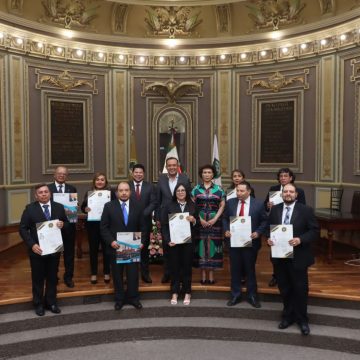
{"x":284,"y":176}
{"x":292,"y":274}
{"x":60,"y":186}
{"x":122,"y":215}
{"x":43,"y":268}
{"x":165,"y":190}
{"x":245,"y":257}
{"x":144,"y":193}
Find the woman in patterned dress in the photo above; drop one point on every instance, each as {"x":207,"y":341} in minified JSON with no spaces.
{"x":209,"y":200}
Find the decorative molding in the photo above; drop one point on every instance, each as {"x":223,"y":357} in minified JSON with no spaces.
{"x":357,"y":130}
{"x":278,"y":81}
{"x":171,"y":89}
{"x":271,"y":14}
{"x":355,"y":67}
{"x":119,"y":18}
{"x":171,"y":21}
{"x":65,"y":81}
{"x":15,"y":6}
{"x":223,"y":18}
{"x":71,"y":14}
{"x":16,"y":200}
{"x":327,"y":7}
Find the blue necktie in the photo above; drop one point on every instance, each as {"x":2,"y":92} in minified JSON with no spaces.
{"x":47,"y":212}
{"x":125,"y":214}
{"x":287,"y":216}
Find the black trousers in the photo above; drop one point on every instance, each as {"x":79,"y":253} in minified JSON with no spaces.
{"x":242,"y":262}
{"x":180,"y":261}
{"x":131,"y":293}
{"x":44,"y":271}
{"x":294,"y":288}
{"x":166,"y":248}
{"x":69,"y":235}
{"x":95,"y":239}
{"x":144,"y":264}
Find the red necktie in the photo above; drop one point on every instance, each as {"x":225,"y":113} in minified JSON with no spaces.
{"x":242,"y":208}
{"x":137,"y":191}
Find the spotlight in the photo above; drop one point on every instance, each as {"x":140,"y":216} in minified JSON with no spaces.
{"x":263,"y":53}
{"x":323,"y":42}
{"x":19,"y":41}
{"x":222,"y":56}
{"x":243,"y":56}
{"x":303,"y":46}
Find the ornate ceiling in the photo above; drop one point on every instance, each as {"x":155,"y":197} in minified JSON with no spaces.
{"x":177,"y":28}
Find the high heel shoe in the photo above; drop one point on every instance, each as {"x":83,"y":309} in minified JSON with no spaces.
{"x":187,"y":299}
{"x":106,"y":278}
{"x":93,"y":279}
{"x":173,"y":300}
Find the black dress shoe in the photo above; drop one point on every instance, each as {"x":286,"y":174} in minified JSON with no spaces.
{"x":233,"y":301}
{"x":211,"y":282}
{"x":304,"y":328}
{"x":254,"y":302}
{"x":39,"y":310}
{"x":136,"y":304}
{"x":273,"y":282}
{"x":54,"y":309}
{"x":284,"y":324}
{"x":69,"y":283}
{"x":146,"y":278}
{"x":165,"y":279}
{"x":203,"y":282}
{"x":118,"y":305}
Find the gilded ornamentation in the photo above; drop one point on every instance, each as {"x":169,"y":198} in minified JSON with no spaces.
{"x":171,"y":21}
{"x":70,"y":13}
{"x":223,"y":18}
{"x":273,"y":13}
{"x":355,"y":66}
{"x":64,"y":81}
{"x":119,"y":16}
{"x":327,"y":6}
{"x":277,"y":81}
{"x":172,"y":89}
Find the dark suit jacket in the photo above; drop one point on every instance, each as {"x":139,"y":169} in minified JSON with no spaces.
{"x":34,"y":214}
{"x":300,"y":196}
{"x":147,"y":200}
{"x":112,"y":221}
{"x":173,"y":208}
{"x":258,"y":218}
{"x":305,"y":227}
{"x":68,"y":188}
{"x":163,"y":192}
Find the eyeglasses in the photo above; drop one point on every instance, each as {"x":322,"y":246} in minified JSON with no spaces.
{"x":180,"y":190}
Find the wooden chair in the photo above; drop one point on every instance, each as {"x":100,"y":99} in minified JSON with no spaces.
{"x":355,"y":204}
{"x":335,"y":198}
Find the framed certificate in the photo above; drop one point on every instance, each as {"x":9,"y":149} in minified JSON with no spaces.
{"x":240,"y":229}
{"x":180,"y":231}
{"x":70,"y":203}
{"x":96,"y":201}
{"x":281,"y":235}
{"x":49,"y":235}
{"x":130,"y":247}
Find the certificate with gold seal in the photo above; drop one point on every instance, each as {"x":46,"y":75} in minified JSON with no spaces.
{"x":280,"y":236}
{"x":240,"y":229}
{"x":50,"y":238}
{"x":180,"y":231}
{"x":96,"y":201}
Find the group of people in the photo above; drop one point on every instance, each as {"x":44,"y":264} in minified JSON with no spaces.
{"x":131,"y":209}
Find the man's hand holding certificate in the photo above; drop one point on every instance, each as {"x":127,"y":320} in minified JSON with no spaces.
{"x":240,"y":231}
{"x":96,"y":201}
{"x":282,"y":241}
{"x":49,"y":235}
{"x":179,"y":225}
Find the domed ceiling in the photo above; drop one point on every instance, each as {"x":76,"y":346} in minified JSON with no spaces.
{"x":212,"y":26}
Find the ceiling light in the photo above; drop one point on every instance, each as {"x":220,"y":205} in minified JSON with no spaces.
{"x":79,"y":52}
{"x":1,"y":35}
{"x":342,"y":37}
{"x":263,"y":53}
{"x":121,"y":57}
{"x":59,"y":49}
{"x":303,"y":46}
{"x":202,"y":58}
{"x":323,"y":42}
{"x":68,"y":34}
{"x":161,"y":59}
{"x":243,"y":56}
{"x":40,"y":45}
{"x":142,"y":59}
{"x":171,"y":43}
{"x":285,"y":50}
{"x":182,"y":59}
{"x":222,"y":56}
{"x":100,"y":55}
{"x":19,"y":41}
{"x":276,"y":35}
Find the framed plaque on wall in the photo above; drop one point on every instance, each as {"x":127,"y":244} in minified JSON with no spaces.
{"x":277,"y":131}
{"x":67,"y":131}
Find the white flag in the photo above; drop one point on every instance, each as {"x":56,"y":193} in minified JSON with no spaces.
{"x":216,"y":162}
